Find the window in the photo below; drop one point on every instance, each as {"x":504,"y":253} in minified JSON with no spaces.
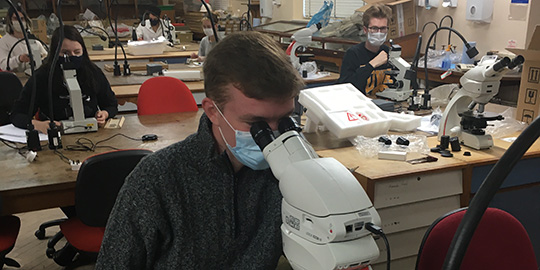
{"x":342,"y":8}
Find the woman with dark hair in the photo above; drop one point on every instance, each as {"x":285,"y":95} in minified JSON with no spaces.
{"x":19,"y":59}
{"x":99,"y":100}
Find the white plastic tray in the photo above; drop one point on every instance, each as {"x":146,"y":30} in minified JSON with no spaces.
{"x":346,"y":113}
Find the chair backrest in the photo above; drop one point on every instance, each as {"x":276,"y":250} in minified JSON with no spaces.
{"x":9,"y":91}
{"x":499,"y":242}
{"x":99,"y":180}
{"x":164,"y":95}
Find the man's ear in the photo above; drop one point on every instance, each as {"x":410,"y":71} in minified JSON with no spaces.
{"x":365,"y":29}
{"x":210,"y":109}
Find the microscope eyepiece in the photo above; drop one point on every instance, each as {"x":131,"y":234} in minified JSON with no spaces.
{"x":501,"y":64}
{"x":262,"y":134}
{"x":516,"y":62}
{"x":287,"y":124}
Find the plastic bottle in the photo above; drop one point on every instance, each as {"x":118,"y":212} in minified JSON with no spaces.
{"x":446,"y":63}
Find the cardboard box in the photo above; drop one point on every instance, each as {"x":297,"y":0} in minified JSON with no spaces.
{"x":528,"y":107}
{"x":39,"y":29}
{"x":184,"y":36}
{"x":403,"y":20}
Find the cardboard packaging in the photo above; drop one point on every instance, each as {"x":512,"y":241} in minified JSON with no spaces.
{"x":39,"y":29}
{"x":403,"y":20}
{"x":528,"y":107}
{"x":184,"y":36}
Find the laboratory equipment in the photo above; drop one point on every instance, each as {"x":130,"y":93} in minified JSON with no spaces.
{"x":327,"y":216}
{"x":479,"y":85}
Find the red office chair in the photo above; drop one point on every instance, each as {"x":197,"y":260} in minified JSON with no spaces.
{"x":99,"y":179}
{"x":9,"y":92}
{"x":499,"y":242}
{"x":165,"y":95}
{"x":9,"y":230}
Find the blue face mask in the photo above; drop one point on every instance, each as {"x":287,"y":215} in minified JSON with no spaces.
{"x":246,"y":150}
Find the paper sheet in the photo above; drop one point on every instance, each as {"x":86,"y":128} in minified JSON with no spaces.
{"x":15,"y":134}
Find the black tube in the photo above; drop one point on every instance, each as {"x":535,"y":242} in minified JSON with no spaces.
{"x":435,"y":39}
{"x":32,"y":137}
{"x":8,"y":68}
{"x":470,"y":49}
{"x":211,"y":20}
{"x":54,"y":61}
{"x":451,"y":25}
{"x":485,"y":194}
{"x":117,"y":42}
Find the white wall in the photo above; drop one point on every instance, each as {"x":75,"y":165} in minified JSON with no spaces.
{"x":488,"y":36}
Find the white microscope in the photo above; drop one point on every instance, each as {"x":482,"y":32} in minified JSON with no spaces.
{"x":300,"y":41}
{"x":325,"y":211}
{"x":76,"y":123}
{"x":478,"y":86}
{"x":400,"y":88}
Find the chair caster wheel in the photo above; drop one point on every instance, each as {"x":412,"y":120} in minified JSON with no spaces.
{"x":50,"y":252}
{"x":40,"y":234}
{"x":64,"y":257}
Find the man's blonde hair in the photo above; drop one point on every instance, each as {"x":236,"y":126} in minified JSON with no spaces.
{"x":379,"y":11}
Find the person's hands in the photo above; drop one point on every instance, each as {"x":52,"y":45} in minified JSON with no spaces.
{"x":194,"y":55}
{"x":42,"y":126}
{"x":379,"y":60}
{"x":101,"y":117}
{"x":24,"y":58}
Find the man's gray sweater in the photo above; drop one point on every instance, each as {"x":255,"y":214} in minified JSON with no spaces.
{"x":183,"y":207}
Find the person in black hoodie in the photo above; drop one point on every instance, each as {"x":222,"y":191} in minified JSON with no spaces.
{"x":99,"y":100}
{"x":363,"y":63}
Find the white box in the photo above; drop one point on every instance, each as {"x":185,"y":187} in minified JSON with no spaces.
{"x":143,"y":47}
{"x":184,"y":75}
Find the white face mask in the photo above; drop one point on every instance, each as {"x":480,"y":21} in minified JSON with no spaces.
{"x":208,"y":31}
{"x":17,"y":26}
{"x":376,"y":39}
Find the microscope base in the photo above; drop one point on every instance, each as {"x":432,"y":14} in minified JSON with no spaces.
{"x":394,"y":94}
{"x":351,"y":255}
{"x":86,"y":125}
{"x":477,"y":142}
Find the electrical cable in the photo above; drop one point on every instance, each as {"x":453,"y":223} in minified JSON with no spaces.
{"x":85,"y":144}
{"x":62,"y":156}
{"x":378,"y":231}
{"x":485,"y":194}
